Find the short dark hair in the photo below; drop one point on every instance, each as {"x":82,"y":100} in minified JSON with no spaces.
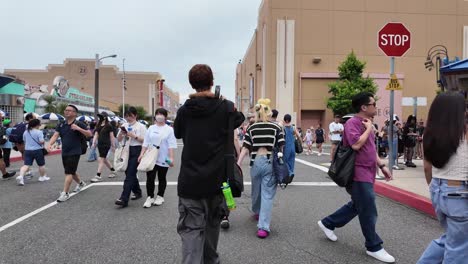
{"x":29,"y":117}
{"x":287,"y":118}
{"x":445,"y":128}
{"x":33,"y":123}
{"x":201,"y":77}
{"x":361,"y":99}
{"x":337,"y":116}
{"x":131,"y":110}
{"x":274,"y":113}
{"x":161,"y":111}
{"x":74,"y":107}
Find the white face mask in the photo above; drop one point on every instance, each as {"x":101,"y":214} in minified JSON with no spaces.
{"x":160,"y":119}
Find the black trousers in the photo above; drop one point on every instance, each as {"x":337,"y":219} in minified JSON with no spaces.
{"x":131,"y":183}
{"x":6,"y":156}
{"x":198,"y":228}
{"x":151,"y":176}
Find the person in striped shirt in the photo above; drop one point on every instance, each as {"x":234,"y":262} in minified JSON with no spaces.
{"x":260,"y":139}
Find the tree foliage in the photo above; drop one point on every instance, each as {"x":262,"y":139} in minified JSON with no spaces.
{"x":350,"y":83}
{"x":140,"y":110}
{"x":51,"y":106}
{"x":60,"y":108}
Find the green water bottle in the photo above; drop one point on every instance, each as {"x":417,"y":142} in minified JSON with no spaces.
{"x":231,"y":203}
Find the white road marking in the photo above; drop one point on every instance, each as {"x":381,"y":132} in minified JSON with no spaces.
{"x":37,"y":211}
{"x":322,"y":168}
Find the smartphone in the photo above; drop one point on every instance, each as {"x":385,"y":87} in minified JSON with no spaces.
{"x":123,"y":129}
{"x":218,"y":91}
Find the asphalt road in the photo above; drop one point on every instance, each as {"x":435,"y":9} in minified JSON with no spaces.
{"x":90,"y":229}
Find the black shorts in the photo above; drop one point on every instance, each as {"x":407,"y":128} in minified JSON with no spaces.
{"x":103,"y":150}
{"x":70,"y":163}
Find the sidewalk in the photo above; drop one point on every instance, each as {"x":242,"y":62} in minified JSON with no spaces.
{"x":408,"y":187}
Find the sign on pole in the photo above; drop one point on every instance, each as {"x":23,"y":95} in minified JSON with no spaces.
{"x":393,"y":84}
{"x":394,"y":39}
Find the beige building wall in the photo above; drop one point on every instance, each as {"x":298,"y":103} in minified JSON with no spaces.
{"x":80,"y":74}
{"x":328,"y":31}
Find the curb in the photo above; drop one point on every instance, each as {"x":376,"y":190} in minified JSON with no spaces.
{"x":410,"y":199}
{"x":20,"y":158}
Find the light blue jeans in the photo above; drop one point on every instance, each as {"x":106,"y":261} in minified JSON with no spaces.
{"x":452,"y":212}
{"x":263,"y":190}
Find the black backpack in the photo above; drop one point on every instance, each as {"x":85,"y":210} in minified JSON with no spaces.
{"x":16,"y":135}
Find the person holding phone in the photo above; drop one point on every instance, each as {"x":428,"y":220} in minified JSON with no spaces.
{"x":134,"y":132}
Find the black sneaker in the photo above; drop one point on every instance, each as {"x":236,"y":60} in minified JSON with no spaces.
{"x":225,"y":223}
{"x":9,"y":175}
{"x":136,"y":197}
{"x":121,"y":203}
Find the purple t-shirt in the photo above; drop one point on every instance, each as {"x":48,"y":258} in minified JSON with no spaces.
{"x":366,"y":157}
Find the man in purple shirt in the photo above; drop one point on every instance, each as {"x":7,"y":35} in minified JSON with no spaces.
{"x":358,"y":134}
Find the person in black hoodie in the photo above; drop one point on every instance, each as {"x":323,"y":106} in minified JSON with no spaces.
{"x":202,"y":124}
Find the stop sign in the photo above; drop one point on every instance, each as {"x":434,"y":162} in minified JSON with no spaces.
{"x":394,"y":39}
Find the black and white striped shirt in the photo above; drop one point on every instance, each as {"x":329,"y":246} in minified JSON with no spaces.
{"x":263,"y":134}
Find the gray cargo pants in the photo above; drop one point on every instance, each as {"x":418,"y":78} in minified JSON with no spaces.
{"x":198,"y":227}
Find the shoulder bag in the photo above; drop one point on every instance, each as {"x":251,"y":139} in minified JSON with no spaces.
{"x":234,"y":175}
{"x":342,"y":168}
{"x":121,"y":156}
{"x":44,"y":151}
{"x":151,"y":155}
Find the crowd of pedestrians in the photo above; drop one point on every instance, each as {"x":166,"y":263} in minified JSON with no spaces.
{"x":202,"y":123}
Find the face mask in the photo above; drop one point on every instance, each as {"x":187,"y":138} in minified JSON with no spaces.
{"x":160,"y":118}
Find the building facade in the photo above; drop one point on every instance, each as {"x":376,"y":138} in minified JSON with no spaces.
{"x":299,"y":44}
{"x":80,"y":74}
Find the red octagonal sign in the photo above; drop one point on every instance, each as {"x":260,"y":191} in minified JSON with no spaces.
{"x":394,"y":39}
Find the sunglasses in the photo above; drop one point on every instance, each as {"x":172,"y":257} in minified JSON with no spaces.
{"x":374,"y":104}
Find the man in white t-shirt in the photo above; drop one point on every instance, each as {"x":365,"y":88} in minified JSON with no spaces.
{"x":336,"y":131}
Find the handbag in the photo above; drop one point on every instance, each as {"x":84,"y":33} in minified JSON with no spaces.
{"x":234,"y":175}
{"x":342,"y":168}
{"x":121,"y":156}
{"x":280,"y":170}
{"x":298,"y":146}
{"x":148,"y":160}
{"x":44,"y":151}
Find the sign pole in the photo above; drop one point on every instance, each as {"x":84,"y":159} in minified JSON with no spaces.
{"x":390,"y":123}
{"x":415,"y":106}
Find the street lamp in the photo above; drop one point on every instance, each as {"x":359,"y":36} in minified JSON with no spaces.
{"x":435,"y":52}
{"x":96,"y":82}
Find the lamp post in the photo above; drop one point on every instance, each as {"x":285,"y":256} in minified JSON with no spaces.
{"x":96,"y":81}
{"x":435,"y":52}
{"x":124,"y":88}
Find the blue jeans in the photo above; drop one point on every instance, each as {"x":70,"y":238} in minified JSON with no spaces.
{"x":263,"y":190}
{"x":289,"y":157}
{"x":452,"y":212}
{"x":362,"y":204}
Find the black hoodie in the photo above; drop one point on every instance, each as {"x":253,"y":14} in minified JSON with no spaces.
{"x":202,"y":123}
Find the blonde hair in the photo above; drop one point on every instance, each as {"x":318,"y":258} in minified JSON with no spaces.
{"x":262,"y":110}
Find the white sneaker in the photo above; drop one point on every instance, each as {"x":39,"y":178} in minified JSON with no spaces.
{"x":329,"y":233}
{"x":382,"y":255}
{"x":79,"y":187}
{"x":20,"y":180}
{"x":149,"y":202}
{"x":96,"y":179}
{"x":43,"y":178}
{"x":112,"y":175}
{"x":159,"y":200}
{"x":320,"y":154}
{"x":63,"y":197}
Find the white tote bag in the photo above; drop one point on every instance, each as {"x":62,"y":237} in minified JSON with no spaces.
{"x":148,"y":161}
{"x":121,"y":157}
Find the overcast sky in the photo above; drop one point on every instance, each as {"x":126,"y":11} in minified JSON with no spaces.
{"x":152,"y":35}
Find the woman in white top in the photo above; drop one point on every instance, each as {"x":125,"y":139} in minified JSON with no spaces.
{"x":162,"y":135}
{"x":445,"y":144}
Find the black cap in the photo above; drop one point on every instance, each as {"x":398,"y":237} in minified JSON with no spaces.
{"x":102,"y":115}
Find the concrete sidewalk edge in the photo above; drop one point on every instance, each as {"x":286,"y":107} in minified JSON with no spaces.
{"x":20,"y":158}
{"x":410,"y":199}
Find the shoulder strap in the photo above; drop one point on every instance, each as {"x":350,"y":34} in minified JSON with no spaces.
{"x":229,"y":144}
{"x":29,"y":132}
